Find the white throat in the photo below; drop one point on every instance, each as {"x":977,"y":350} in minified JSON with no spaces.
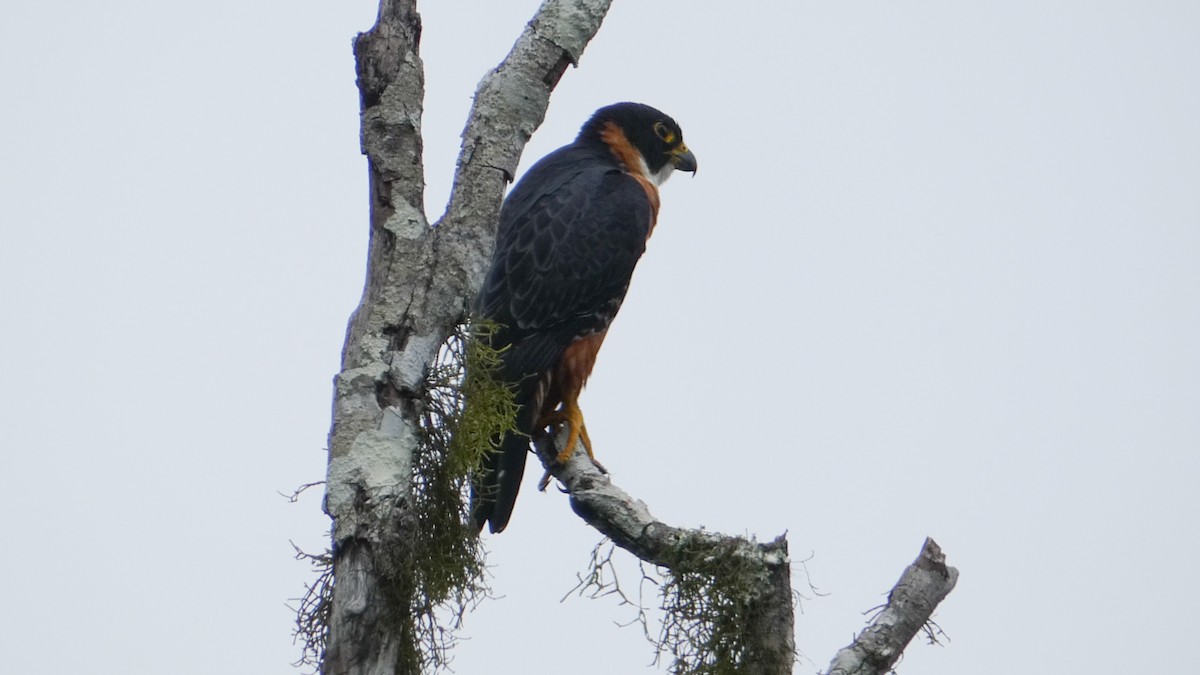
{"x":657,"y":178}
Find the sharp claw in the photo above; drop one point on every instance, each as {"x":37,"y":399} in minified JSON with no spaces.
{"x":572,"y":416}
{"x":577,"y":434}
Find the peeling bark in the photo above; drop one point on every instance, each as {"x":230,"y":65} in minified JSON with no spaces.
{"x":924,"y":584}
{"x":419,"y":282}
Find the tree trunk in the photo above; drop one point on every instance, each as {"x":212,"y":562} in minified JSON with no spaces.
{"x":420,"y":279}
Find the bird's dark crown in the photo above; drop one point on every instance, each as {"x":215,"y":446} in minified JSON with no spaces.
{"x":650,"y":131}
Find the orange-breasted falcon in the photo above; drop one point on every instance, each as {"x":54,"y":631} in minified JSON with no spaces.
{"x":571,"y":232}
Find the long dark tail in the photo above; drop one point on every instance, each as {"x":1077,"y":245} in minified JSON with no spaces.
{"x":494,"y":492}
{"x":494,"y":489}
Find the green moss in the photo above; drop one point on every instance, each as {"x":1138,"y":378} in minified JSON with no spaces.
{"x":708,"y":597}
{"x":476,"y":429}
{"x":441,"y":575}
{"x":430,"y":567}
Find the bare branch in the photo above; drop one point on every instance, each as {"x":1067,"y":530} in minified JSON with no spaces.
{"x":769,"y":646}
{"x":510,"y":104}
{"x":924,"y":584}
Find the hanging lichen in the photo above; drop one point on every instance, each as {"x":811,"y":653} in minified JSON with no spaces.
{"x":430,"y":571}
{"x":465,"y":409}
{"x":706,"y":598}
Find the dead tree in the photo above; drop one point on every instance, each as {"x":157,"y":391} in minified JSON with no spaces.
{"x":420,"y":279}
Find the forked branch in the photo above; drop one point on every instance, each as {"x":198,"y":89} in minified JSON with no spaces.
{"x":419,"y":282}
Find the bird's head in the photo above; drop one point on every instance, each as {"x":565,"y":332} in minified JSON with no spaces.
{"x":644,"y":139}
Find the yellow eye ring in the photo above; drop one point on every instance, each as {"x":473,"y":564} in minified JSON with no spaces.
{"x":664,"y":133}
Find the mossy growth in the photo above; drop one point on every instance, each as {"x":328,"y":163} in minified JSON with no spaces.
{"x":707,"y":588}
{"x":708,"y":595}
{"x":431,"y":567}
{"x":464,"y":412}
{"x":468,"y":365}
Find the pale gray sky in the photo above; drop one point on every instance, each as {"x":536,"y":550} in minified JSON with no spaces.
{"x":939,"y":274}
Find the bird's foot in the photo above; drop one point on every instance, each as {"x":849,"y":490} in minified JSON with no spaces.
{"x":572,"y":416}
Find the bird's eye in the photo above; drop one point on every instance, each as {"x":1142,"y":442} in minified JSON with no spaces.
{"x":664,"y":133}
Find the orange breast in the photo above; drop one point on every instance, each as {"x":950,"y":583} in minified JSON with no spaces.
{"x":566,"y":379}
{"x":577,"y":362}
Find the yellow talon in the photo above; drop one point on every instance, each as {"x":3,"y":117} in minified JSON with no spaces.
{"x":572,"y":416}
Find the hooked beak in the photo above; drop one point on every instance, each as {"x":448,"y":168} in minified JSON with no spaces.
{"x":683,"y":159}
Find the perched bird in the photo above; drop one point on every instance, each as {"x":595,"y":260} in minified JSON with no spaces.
{"x":571,"y":232}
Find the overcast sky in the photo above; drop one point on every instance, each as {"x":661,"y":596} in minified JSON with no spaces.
{"x":938,"y":274}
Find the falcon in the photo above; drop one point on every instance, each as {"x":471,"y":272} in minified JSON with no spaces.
{"x":570,"y":233}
